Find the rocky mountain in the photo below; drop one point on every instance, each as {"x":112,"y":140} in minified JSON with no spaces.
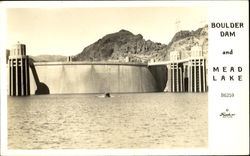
{"x":42,"y":58}
{"x":49,"y":58}
{"x":183,"y":41}
{"x":117,"y":46}
{"x":122,"y":45}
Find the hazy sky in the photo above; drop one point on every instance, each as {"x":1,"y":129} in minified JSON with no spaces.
{"x":66,"y":31}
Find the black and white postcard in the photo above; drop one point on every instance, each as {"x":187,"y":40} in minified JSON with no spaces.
{"x":128,"y":77}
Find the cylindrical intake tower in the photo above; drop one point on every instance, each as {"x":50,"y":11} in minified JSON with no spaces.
{"x":18,"y":63}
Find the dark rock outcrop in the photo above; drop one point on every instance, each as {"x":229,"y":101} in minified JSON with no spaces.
{"x":120,"y":46}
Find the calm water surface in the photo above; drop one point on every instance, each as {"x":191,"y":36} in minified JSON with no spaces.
{"x":150,"y":120}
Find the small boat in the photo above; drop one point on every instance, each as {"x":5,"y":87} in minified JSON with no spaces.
{"x":107,"y":95}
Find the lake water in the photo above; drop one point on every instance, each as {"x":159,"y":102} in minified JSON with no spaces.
{"x":86,"y":121}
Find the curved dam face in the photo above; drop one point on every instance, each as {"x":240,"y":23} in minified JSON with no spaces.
{"x":80,"y":77}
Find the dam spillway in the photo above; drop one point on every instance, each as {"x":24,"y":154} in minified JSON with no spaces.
{"x":95,"y":77}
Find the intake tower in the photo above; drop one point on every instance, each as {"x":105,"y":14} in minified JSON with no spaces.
{"x":18,"y":64}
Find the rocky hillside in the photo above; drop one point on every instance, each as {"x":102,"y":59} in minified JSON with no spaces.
{"x":183,"y":41}
{"x":119,"y":46}
{"x":49,"y":58}
{"x":123,"y":44}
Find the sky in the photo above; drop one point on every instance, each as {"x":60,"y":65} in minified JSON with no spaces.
{"x":67,"y":31}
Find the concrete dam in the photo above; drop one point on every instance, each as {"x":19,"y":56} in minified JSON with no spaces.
{"x":177,"y":75}
{"x":95,"y":77}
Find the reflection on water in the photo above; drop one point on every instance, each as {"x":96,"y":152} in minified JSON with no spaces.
{"x":150,"y":120}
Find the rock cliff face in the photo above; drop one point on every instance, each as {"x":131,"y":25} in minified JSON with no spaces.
{"x":117,"y":46}
{"x":183,"y":41}
{"x":123,"y":44}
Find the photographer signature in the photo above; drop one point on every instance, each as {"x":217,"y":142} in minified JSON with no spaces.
{"x":227,"y":114}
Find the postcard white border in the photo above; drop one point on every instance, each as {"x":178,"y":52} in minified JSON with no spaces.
{"x":234,"y":132}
